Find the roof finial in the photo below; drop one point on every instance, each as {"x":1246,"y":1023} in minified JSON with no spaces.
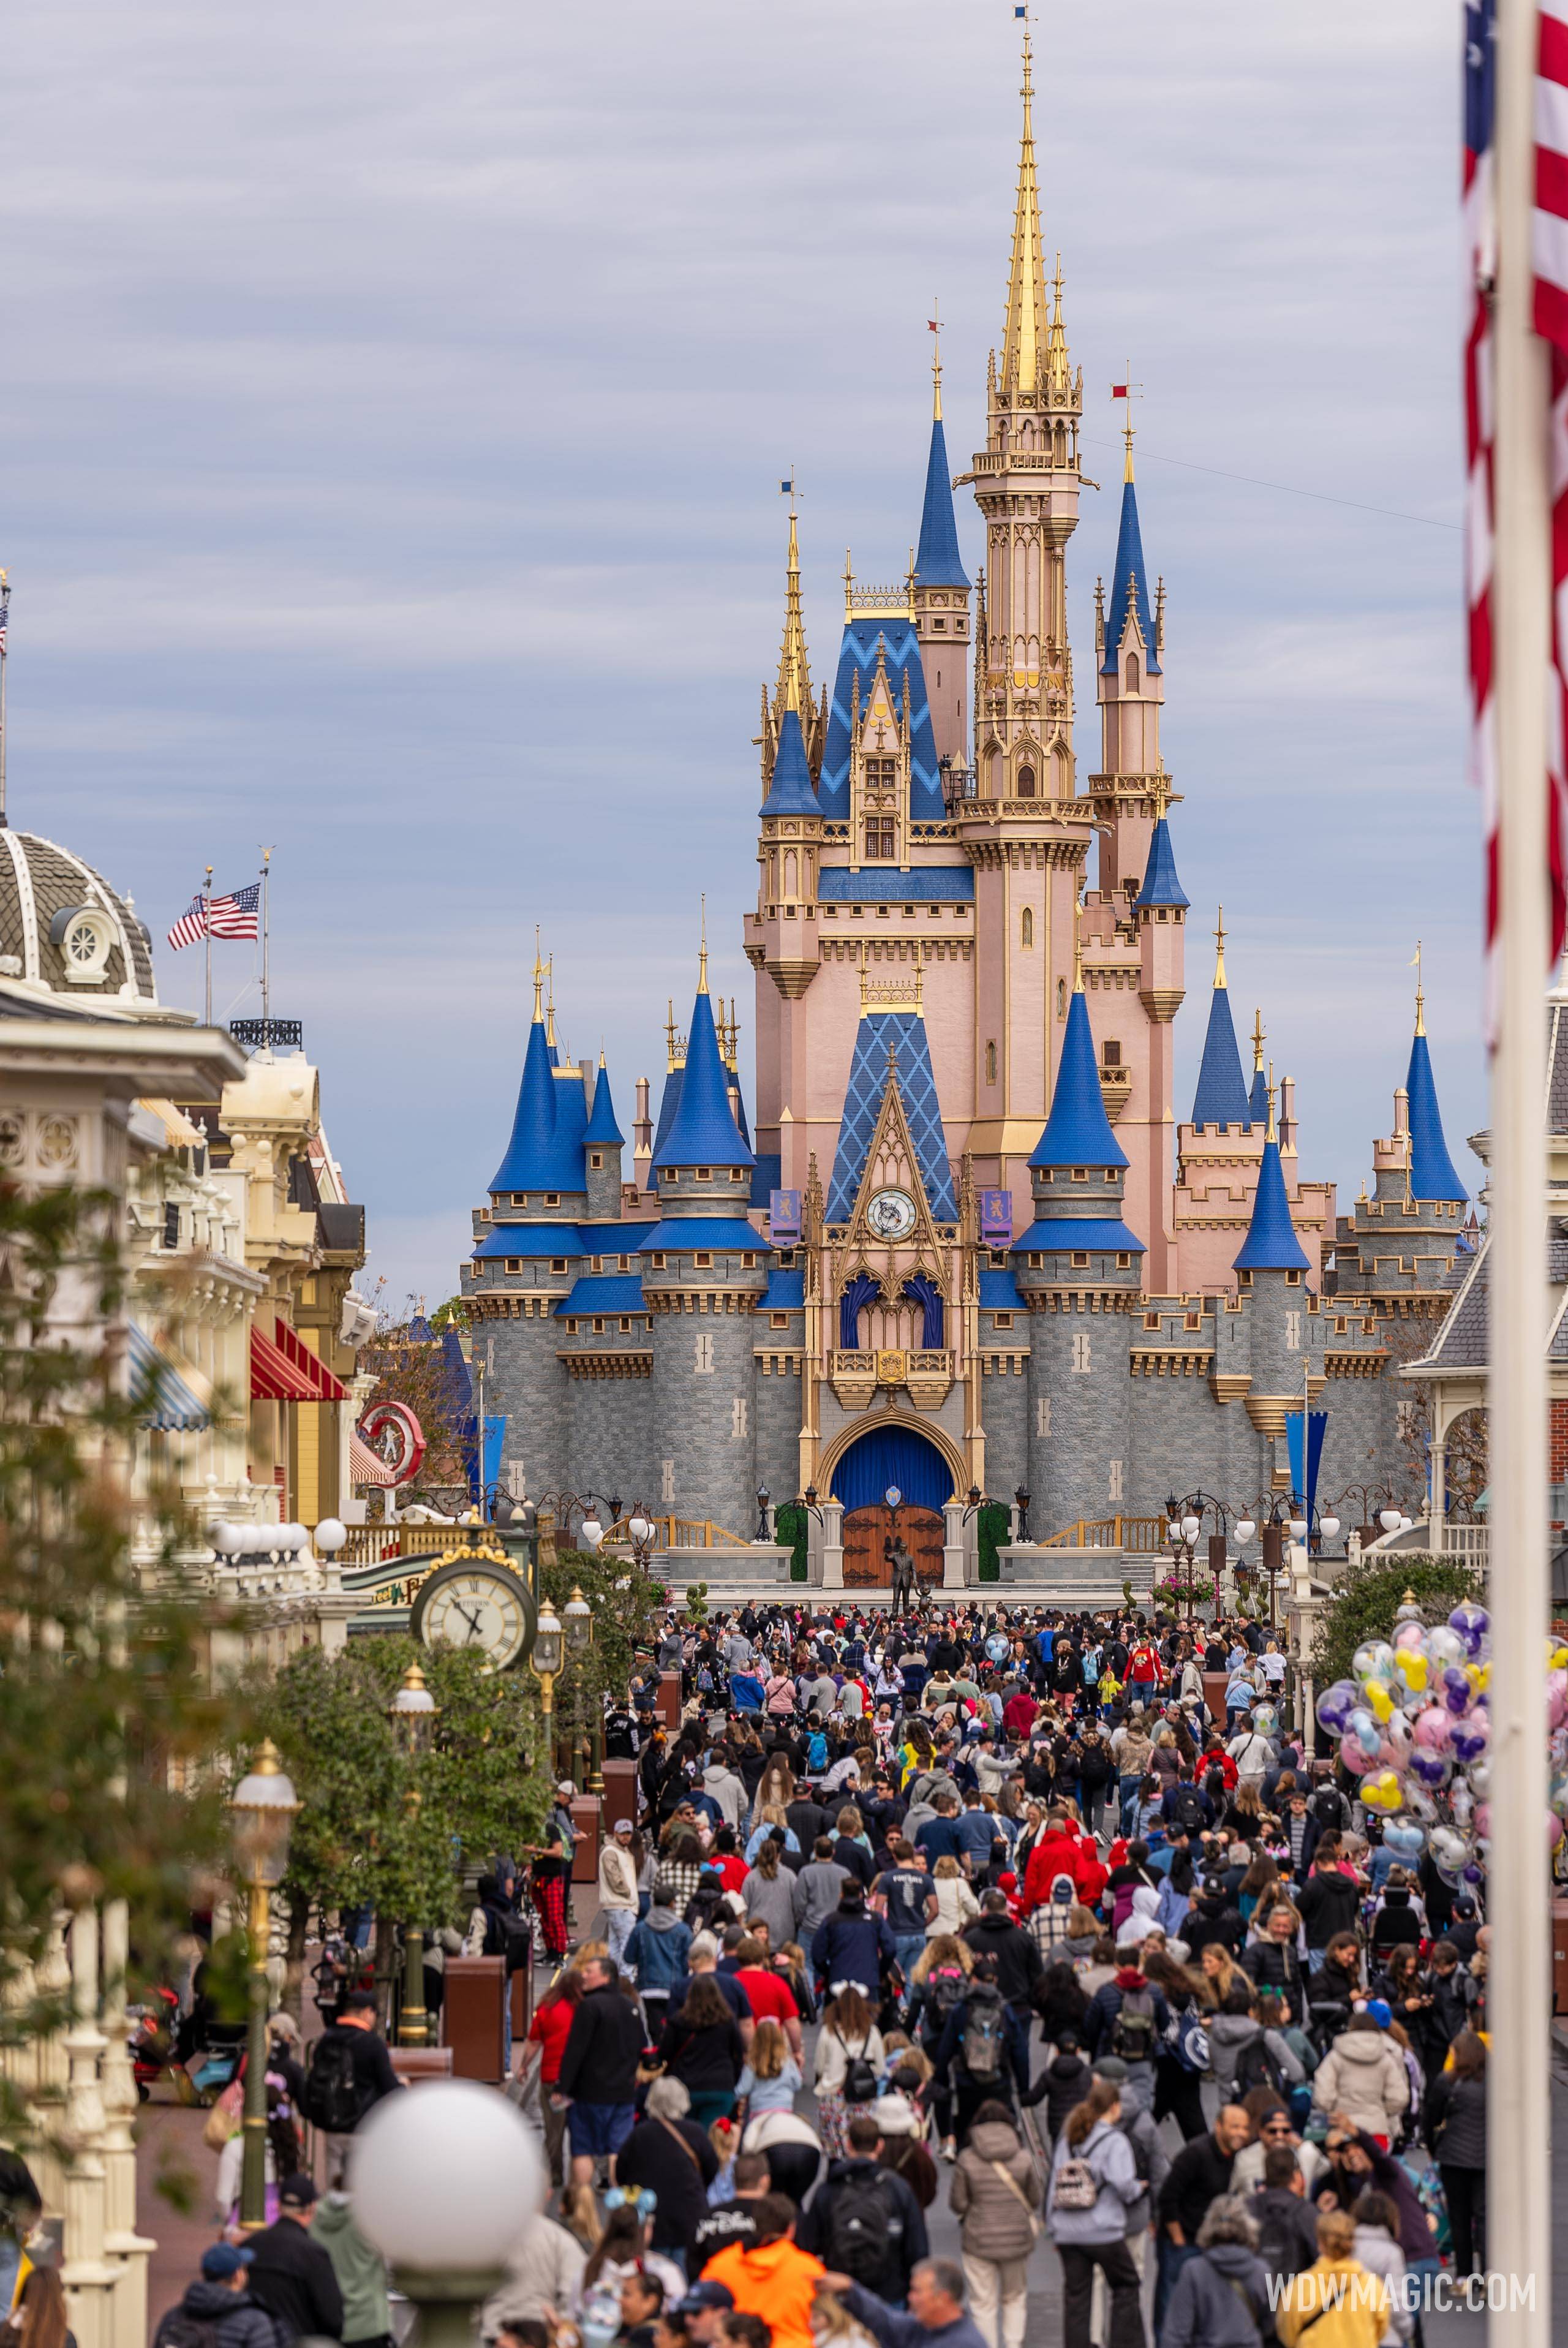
{"x":1220,"y":946}
{"x":1257,"y":1039}
{"x":1078,"y":943}
{"x":935,"y":322}
{"x":538,"y":978}
{"x":670,"y":1034}
{"x":1024,"y":330}
{"x":702,"y":950}
{"x":550,"y":1003}
{"x":849,"y":585}
{"x":1271,"y":1135}
{"x":1127,"y":391}
{"x":1420,"y":998}
{"x":794,"y":670}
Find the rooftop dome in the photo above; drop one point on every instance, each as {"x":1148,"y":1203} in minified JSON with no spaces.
{"x":65,"y":933}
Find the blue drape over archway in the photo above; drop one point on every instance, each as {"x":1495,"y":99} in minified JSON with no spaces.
{"x":892,"y":1455}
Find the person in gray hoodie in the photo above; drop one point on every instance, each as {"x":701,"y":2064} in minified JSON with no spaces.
{"x":1221,"y":2296}
{"x":721,"y":1786}
{"x":815,"y":1891}
{"x":361,"y":2272}
{"x":1096,"y":2236}
{"x":1234,"y":2035}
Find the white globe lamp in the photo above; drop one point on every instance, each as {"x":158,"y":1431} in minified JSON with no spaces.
{"x":1245,"y":1528}
{"x":1389,"y":1519}
{"x":1190,"y":1528}
{"x":1298,"y":1527}
{"x":330,"y":1536}
{"x":1330,"y":1528}
{"x":1406,"y":1524}
{"x":592,"y":1532}
{"x":447,"y":2180}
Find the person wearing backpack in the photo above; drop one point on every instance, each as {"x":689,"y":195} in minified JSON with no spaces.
{"x":350,"y":2070}
{"x":217,"y":2311}
{"x":1127,"y":2017}
{"x":1243,"y":2055}
{"x":1094,"y":2180}
{"x":863,"y":2220}
{"x":292,"y":2277}
{"x":847,"y":2074}
{"x":1221,"y":2296}
{"x":976,"y":2057}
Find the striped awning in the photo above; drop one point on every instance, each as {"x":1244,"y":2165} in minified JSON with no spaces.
{"x":284,"y":1368}
{"x":366,"y":1466}
{"x":171,"y":1404}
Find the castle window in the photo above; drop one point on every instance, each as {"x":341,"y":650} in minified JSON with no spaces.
{"x":552,"y":1198}
{"x":939,"y":627}
{"x":572,"y":1328}
{"x":658,"y":1264}
{"x":1124,"y":1264}
{"x":595,"y":1159}
{"x":1061,"y":998}
{"x":1111,"y":1053}
{"x":1151,"y":1321}
{"x":1293,"y":1279}
{"x":1244,"y":1279}
{"x":749,"y":1263}
{"x":598,"y":1328}
{"x":881,"y":840}
{"x":703,"y":1261}
{"x":1132,"y":671}
{"x":558,"y":1263}
{"x":622,"y":1263}
{"x":779,"y":1320}
{"x":514,"y":1264}
{"x":1080,"y":1173}
{"x":1340,"y":1324}
{"x":882,"y":774}
{"x":1080,"y":1262}
{"x":596,"y":1263}
{"x":990,"y":1063}
{"x":626,"y":1326}
{"x":999,"y":1258}
{"x":1027,"y":926}
{"x":1190,"y":1321}
{"x":705,"y":1173}
{"x":737,"y":1173}
{"x":1002,"y":1320}
{"x":1037,"y":1262}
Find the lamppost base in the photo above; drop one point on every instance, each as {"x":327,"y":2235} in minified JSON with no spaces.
{"x":445,"y":2303}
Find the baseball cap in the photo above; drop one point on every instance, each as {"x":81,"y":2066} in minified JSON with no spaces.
{"x":223,"y":2259}
{"x":1380,"y":2011}
{"x":1111,"y":2067}
{"x":566,"y":1786}
{"x":703,"y":2297}
{"x":623,"y":1826}
{"x":297,"y":2192}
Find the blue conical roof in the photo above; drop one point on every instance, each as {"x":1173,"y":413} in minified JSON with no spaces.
{"x":602,"y":1130}
{"x":1432,"y":1173}
{"x":937,"y":562}
{"x":1222,"y":1095}
{"x":539,"y":1155}
{"x":1258,"y":1099}
{"x":1271,"y":1243}
{"x":789,"y":789}
{"x":1131,"y":580}
{"x":1077,"y":1130}
{"x":1161,"y":886}
{"x":703,"y":1130}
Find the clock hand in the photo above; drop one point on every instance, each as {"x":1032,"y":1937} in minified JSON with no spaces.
{"x":471,"y":1619}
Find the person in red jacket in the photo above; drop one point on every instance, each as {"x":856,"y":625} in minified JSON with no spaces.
{"x":1019,"y":1716}
{"x":1057,"y":1852}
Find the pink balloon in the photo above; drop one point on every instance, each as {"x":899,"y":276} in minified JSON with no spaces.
{"x":1434,"y":1728}
{"x":1357,"y":1760}
{"x":1482,"y":1821}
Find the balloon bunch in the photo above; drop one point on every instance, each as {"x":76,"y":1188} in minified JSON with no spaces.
{"x":1414,"y":1726}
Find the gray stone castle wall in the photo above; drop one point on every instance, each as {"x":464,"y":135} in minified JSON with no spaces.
{"x":705,"y":1409}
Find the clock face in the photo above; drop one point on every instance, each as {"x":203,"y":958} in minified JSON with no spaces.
{"x":473,"y":1606}
{"x":891,"y":1214}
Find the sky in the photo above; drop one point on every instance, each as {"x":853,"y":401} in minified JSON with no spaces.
{"x":393,"y":403}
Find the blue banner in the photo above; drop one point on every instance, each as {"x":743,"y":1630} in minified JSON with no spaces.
{"x":495,"y":1434}
{"x":1305,"y":1483}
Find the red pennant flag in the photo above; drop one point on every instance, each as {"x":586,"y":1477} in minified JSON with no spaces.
{"x":1119,"y":391}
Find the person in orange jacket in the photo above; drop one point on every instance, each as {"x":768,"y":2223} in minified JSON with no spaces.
{"x":769,"y":2276}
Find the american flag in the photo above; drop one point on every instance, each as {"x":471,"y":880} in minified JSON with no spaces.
{"x":1550,"y":240}
{"x":235,"y":916}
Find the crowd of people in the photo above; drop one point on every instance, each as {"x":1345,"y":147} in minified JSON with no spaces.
{"x":1049,"y":1920}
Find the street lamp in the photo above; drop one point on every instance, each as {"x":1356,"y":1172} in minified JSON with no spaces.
{"x":578,"y":1617}
{"x":763,"y":1497}
{"x":642,"y":1529}
{"x":261,"y":1812}
{"x":1021,"y":1499}
{"x":591,"y":1532}
{"x":446,"y":2184}
{"x":549,"y":1647}
{"x":413,"y":1714}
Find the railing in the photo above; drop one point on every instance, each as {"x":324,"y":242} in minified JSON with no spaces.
{"x":1471,"y":1542}
{"x":1144,"y":1536}
{"x":377,"y":1544}
{"x":681,"y":1532}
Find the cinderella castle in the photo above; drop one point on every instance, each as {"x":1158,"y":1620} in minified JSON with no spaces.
{"x":968,"y":1243}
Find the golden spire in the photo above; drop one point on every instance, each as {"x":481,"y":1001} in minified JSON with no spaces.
{"x":936,"y":362}
{"x":1024,"y":329}
{"x":1257,"y":1040}
{"x":670,"y":1036}
{"x":1220,"y":946}
{"x":1058,"y":375}
{"x":1128,"y":389}
{"x":702,"y":952}
{"x":537,"y":980}
{"x":794,"y":669}
{"x":1420,"y":998}
{"x":549,"y":1005}
{"x":1078,"y":944}
{"x":1271,"y":1134}
{"x":849,"y":585}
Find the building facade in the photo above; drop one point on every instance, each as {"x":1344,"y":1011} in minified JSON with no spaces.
{"x":966,"y":1245}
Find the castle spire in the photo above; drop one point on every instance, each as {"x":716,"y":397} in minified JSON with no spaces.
{"x":1433,"y":1174}
{"x":937,"y":562}
{"x":1024,"y":333}
{"x":1130,"y":585}
{"x":703,"y":1130}
{"x":1271,"y":1244}
{"x":1222,"y":1095}
{"x":539,"y":1156}
{"x":1257,"y":1101}
{"x":794,"y":669}
{"x":1059,"y":373}
{"x":1077,"y":1130}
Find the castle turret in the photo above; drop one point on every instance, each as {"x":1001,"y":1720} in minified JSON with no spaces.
{"x":1432,"y":1172}
{"x":1146,"y":1122}
{"x":1132,"y":789}
{"x":1403,"y":1239}
{"x":942,"y":598}
{"x":704,"y":1269}
{"x":543,"y":1170}
{"x":1078,"y":1268}
{"x":1220,"y":1098}
{"x":1282,"y":1325}
{"x":604,"y":1143}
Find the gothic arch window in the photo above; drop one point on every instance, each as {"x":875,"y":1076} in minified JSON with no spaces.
{"x":1132,"y":671}
{"x":993,"y":775}
{"x":1026,"y":927}
{"x":1025,"y":782}
{"x":990,"y":1063}
{"x":791,"y":872}
{"x":1061,"y":998}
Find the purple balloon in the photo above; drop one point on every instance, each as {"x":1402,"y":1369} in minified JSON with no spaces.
{"x":1470,"y":1738}
{"x":1471,"y":1623}
{"x":1458,"y":1693}
{"x":1433,"y":1769}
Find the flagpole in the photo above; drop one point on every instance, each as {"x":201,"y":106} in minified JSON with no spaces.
{"x":207,"y":936}
{"x":1519,"y":2003}
{"x":266,"y":945}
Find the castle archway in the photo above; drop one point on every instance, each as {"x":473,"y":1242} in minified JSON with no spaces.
{"x":891,"y":1456}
